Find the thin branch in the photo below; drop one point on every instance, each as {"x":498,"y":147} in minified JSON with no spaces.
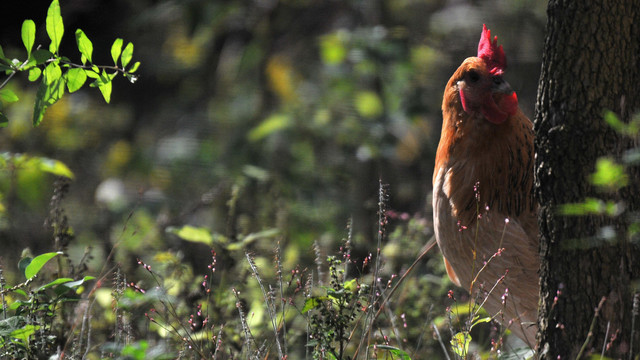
{"x":430,"y":244}
{"x":593,"y":325}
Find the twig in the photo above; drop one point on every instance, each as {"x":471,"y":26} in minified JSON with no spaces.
{"x":634,"y":312}
{"x":283,"y":303}
{"x":604,"y":344}
{"x":268,"y":302}
{"x":444,"y":348}
{"x":430,"y":244}
{"x":382,"y":219}
{"x":593,"y":325}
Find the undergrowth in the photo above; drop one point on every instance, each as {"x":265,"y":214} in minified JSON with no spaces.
{"x":247,"y":303}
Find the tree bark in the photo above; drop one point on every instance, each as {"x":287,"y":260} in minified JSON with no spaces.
{"x":591,"y":63}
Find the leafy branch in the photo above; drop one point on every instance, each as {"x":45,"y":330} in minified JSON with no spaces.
{"x":59,"y":74}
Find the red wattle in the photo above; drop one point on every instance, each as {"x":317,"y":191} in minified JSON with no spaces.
{"x":509,"y":103}
{"x":465,"y":106}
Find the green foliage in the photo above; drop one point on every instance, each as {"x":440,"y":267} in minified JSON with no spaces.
{"x":29,"y":326}
{"x":57,"y":71}
{"x":37,"y":263}
{"x":332,"y":315}
{"x":460,"y":343}
{"x":610,"y":175}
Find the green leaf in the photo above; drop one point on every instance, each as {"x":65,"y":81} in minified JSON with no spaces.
{"x":312,"y":303}
{"x":394,"y":351}
{"x":76,"y":77}
{"x":134,"y":67}
{"x":460,"y":343}
{"x":55,"y":282}
{"x":10,"y":324}
{"x":67,"y":282}
{"x":41,"y":56}
{"x":480,"y":321}
{"x":332,"y":49}
{"x":28,"y":35}
{"x":609,"y":174}
{"x":92,"y":74}
{"x":34,"y":73}
{"x":23,"y":263}
{"x":24,"y":333}
{"x":192,"y":234}
{"x":55,"y":27}
{"x":127,"y":54}
{"x":116,"y":50}
{"x":4,"y":58}
{"x":84,"y":45}
{"x":7,"y":95}
{"x":46,"y":96}
{"x":4,"y":121}
{"x":105,"y":89}
{"x":38,"y":262}
{"x":52,"y":73}
{"x":368,"y":104}
{"x":270,"y":125}
{"x":76,"y":283}
{"x":351,"y":285}
{"x":55,"y":167}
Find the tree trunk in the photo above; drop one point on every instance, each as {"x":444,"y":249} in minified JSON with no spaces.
{"x":591,"y":63}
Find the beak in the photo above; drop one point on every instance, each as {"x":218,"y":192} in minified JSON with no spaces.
{"x":500,"y":86}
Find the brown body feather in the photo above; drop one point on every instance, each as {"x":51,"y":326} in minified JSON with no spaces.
{"x":483,"y":175}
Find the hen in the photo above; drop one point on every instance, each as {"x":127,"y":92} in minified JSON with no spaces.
{"x":483,"y":207}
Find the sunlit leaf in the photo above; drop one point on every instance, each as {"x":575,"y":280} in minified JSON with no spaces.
{"x":270,"y":125}
{"x":116,"y":50}
{"x":28,"y":35}
{"x":312,"y":303}
{"x":134,"y":67}
{"x":46,"y":96}
{"x":38,"y":262}
{"x":76,"y":77}
{"x":394,"y":351}
{"x":55,"y":282}
{"x":34,"y":73}
{"x":52,"y":73}
{"x":127,"y":54}
{"x":351,"y":285}
{"x":368,"y":104}
{"x":24,"y":333}
{"x":92,"y":74}
{"x":55,"y":27}
{"x":632,"y":128}
{"x":84,"y":45}
{"x":268,"y":233}
{"x":460,"y":343}
{"x":609,"y":174}
{"x":480,"y":321}
{"x":192,"y":234}
{"x":105,"y":89}
{"x":7,"y":95}
{"x":55,"y":167}
{"x":332,"y":49}
{"x":72,"y":284}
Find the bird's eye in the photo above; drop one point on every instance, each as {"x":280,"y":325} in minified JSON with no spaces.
{"x":497,"y":80}
{"x":473,"y":76}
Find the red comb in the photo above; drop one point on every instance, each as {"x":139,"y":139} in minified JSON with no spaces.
{"x":491,"y":53}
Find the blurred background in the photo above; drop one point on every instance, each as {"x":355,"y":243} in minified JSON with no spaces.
{"x":250,"y":115}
